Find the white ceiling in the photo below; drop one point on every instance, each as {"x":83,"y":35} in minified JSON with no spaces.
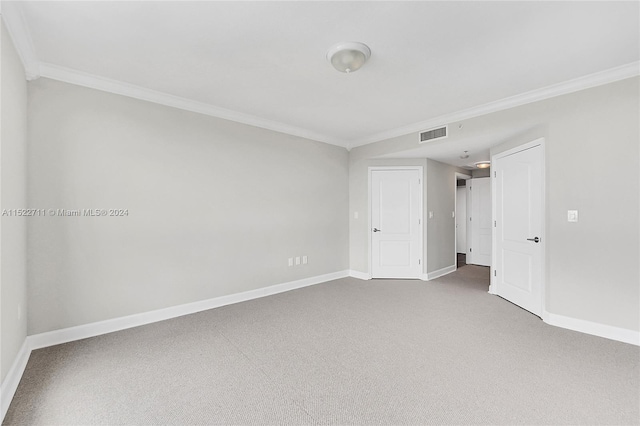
{"x":265,"y":61}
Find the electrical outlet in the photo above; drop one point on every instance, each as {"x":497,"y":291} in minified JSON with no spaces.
{"x":297,"y":260}
{"x":572,"y":215}
{"x":304,"y":260}
{"x":291,"y":261}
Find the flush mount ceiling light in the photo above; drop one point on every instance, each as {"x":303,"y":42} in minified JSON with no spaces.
{"x":465,"y":155}
{"x":348,"y":56}
{"x":483,"y":164}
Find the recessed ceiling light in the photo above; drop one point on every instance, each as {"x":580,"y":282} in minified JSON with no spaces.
{"x":483,"y":164}
{"x":348,"y":56}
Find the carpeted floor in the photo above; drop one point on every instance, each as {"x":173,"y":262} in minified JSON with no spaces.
{"x":343,"y":352}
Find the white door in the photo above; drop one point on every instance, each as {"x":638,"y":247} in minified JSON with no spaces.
{"x":480,"y":229}
{"x":519,"y":245}
{"x":396,"y":228}
{"x":461,"y":219}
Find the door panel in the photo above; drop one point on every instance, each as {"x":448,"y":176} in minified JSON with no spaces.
{"x":461,"y":220}
{"x":480,"y":222}
{"x":518,"y":184}
{"x":396,"y":206}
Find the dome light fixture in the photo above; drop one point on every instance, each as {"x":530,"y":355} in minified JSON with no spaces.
{"x":483,"y":164}
{"x":348,"y":56}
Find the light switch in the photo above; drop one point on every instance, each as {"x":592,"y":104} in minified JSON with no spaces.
{"x":430,"y":215}
{"x":297,"y":260}
{"x":572,"y":215}
{"x":304,"y":260}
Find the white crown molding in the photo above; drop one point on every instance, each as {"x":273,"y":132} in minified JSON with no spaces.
{"x":80,"y":78}
{"x":19,"y":32}
{"x":16,"y":25}
{"x":592,"y":80}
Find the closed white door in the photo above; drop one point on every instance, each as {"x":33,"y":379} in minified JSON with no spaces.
{"x":396,"y":228}
{"x":479,"y":223}
{"x":519,"y":245}
{"x":461,"y":219}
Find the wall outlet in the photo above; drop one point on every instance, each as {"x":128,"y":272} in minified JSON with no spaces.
{"x":572,"y":215}
{"x":297,"y":260}
{"x":291,"y":261}
{"x":304,"y":260}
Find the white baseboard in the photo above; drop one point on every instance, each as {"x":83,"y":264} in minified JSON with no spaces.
{"x":12,"y":380}
{"x":84,"y":331}
{"x":440,"y":272}
{"x":56,"y":337}
{"x":360,"y":275}
{"x":593,"y":328}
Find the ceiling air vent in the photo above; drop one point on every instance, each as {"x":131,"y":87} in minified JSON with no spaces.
{"x":429,"y":135}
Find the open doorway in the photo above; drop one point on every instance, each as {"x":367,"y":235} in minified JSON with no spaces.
{"x":461,"y":219}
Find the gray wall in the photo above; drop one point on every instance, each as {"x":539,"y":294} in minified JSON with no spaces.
{"x":215,"y":207}
{"x":441,"y":228}
{"x":592,"y":162}
{"x":13,"y":143}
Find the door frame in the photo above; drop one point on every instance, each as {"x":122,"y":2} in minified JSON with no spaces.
{"x":420,"y":169}
{"x":493,"y":286}
{"x":465,"y":177}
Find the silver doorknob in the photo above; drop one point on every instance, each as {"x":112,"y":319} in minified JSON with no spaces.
{"x":376,"y":230}
{"x":535,"y":240}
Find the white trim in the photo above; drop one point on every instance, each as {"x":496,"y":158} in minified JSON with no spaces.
{"x":440,"y":272}
{"x":596,"y":329}
{"x":84,"y":79}
{"x":84,"y":331}
{"x":12,"y":379}
{"x":19,"y":32}
{"x":493,"y":285}
{"x":588,"y":81}
{"x":423,"y":185}
{"x":56,"y":337}
{"x":359,"y":275}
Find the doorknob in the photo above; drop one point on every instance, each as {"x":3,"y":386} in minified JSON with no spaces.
{"x":535,"y":240}
{"x":376,"y":230}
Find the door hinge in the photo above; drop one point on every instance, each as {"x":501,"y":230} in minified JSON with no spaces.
{"x":419,"y":181}
{"x":494,"y":224}
{"x":469,"y":218}
{"x":470,"y":249}
{"x":495,"y":273}
{"x":419,"y":221}
{"x":419,"y":262}
{"x":494,"y":174}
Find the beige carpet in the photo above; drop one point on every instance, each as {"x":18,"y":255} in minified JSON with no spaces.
{"x":343,"y":352}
